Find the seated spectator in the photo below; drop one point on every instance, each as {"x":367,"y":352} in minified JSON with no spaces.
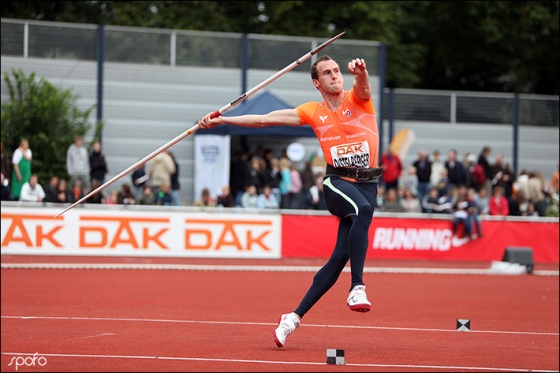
{"x":77,"y":191}
{"x":226,"y":199}
{"x":163,"y":195}
{"x":498,"y":204}
{"x":409,"y":180}
{"x":98,"y":197}
{"x":409,"y":202}
{"x":62,"y":196}
{"x":481,"y":200}
{"x":113,"y":197}
{"x":125,"y":195}
{"x":433,"y":203}
{"x":461,"y":212}
{"x":250,"y":199}
{"x":205,"y":199}
{"x":51,"y":190}
{"x":147,"y":197}
{"x":391,"y":202}
{"x":267,"y":200}
{"x":32,"y":191}
{"x":6,"y":191}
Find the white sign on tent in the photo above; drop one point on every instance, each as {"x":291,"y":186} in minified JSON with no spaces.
{"x":211,"y":164}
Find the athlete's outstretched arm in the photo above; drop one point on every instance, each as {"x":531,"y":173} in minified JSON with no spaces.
{"x":287,"y":117}
{"x":362,"y":88}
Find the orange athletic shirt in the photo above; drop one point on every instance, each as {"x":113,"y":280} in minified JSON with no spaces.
{"x":349,"y":136}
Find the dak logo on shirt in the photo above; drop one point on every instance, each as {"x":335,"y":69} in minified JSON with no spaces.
{"x":347,"y":113}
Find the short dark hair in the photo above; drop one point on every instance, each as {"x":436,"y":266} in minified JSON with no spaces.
{"x":314,"y":74}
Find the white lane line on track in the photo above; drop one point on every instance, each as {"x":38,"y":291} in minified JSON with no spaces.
{"x":281,"y":362}
{"x":260,"y":268}
{"x":72,"y":318}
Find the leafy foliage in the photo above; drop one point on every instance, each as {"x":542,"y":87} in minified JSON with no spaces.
{"x":501,"y":46}
{"x":45,"y":115}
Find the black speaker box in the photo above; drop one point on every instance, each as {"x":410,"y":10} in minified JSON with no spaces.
{"x":520,"y":255}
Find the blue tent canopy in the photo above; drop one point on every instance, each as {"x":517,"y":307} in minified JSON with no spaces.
{"x":262,"y":104}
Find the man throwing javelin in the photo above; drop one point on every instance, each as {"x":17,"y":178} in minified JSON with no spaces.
{"x":346,"y":128}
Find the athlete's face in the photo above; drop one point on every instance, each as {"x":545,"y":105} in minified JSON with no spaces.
{"x":329,"y":78}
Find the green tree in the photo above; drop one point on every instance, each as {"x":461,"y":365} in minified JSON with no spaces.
{"x":507,"y":46}
{"x":47,"y":116}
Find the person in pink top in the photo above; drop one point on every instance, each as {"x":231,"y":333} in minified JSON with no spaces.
{"x":346,"y":127}
{"x":498,"y":204}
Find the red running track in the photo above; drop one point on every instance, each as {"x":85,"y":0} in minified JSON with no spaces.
{"x":217,"y":321}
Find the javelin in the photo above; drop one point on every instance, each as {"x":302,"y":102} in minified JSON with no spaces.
{"x":215,"y":114}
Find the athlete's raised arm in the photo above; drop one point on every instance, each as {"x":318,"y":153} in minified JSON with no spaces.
{"x":287,"y":117}
{"x":362,"y":88}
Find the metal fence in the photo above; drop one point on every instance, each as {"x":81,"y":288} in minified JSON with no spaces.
{"x":53,"y":40}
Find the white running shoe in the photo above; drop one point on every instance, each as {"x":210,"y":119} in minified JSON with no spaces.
{"x":287,"y":323}
{"x":357,"y":300}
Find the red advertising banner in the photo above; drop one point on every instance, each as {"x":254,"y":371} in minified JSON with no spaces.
{"x":423,"y":238}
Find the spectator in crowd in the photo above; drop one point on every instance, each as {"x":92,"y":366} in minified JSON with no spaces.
{"x":98,"y":197}
{"x":423,"y":167}
{"x":391,"y":202}
{"x":455,"y":169}
{"x":273,"y":176}
{"x":474,"y":216}
{"x":77,"y":162}
{"x":409,"y":180}
{"x":461,"y":211}
{"x":256,"y":174}
{"x":518,"y":206}
{"x":296,"y":186}
{"x":175,"y":186}
{"x":6,"y":165}
{"x":113,"y":197}
{"x":380,"y":200}
{"x":536,"y":192}
{"x":498,"y":204}
{"x":267,"y":200}
{"x":147,"y":197}
{"x":437,"y":167}
{"x":521,"y":183}
{"x":6,"y":192}
{"x":77,"y":191}
{"x":481,"y":199}
{"x":503,"y":176}
{"x":239,"y":173}
{"x":125,"y":195}
{"x":484,"y":161}
{"x":62,"y":195}
{"x":161,"y":169}
{"x":225,"y":198}
{"x":433,"y":203}
{"x":139,"y":180}
{"x":307,"y":177}
{"x":21,"y":164}
{"x":205,"y":199}
{"x":317,"y":194}
{"x":286,"y":183}
{"x":409,"y":202}
{"x":392,"y":168}
{"x":250,"y":198}
{"x":163,"y":195}
{"x":476,"y":177}
{"x":32,"y":191}
{"x":97,"y":164}
{"x":443,"y":186}
{"x":51,"y":190}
